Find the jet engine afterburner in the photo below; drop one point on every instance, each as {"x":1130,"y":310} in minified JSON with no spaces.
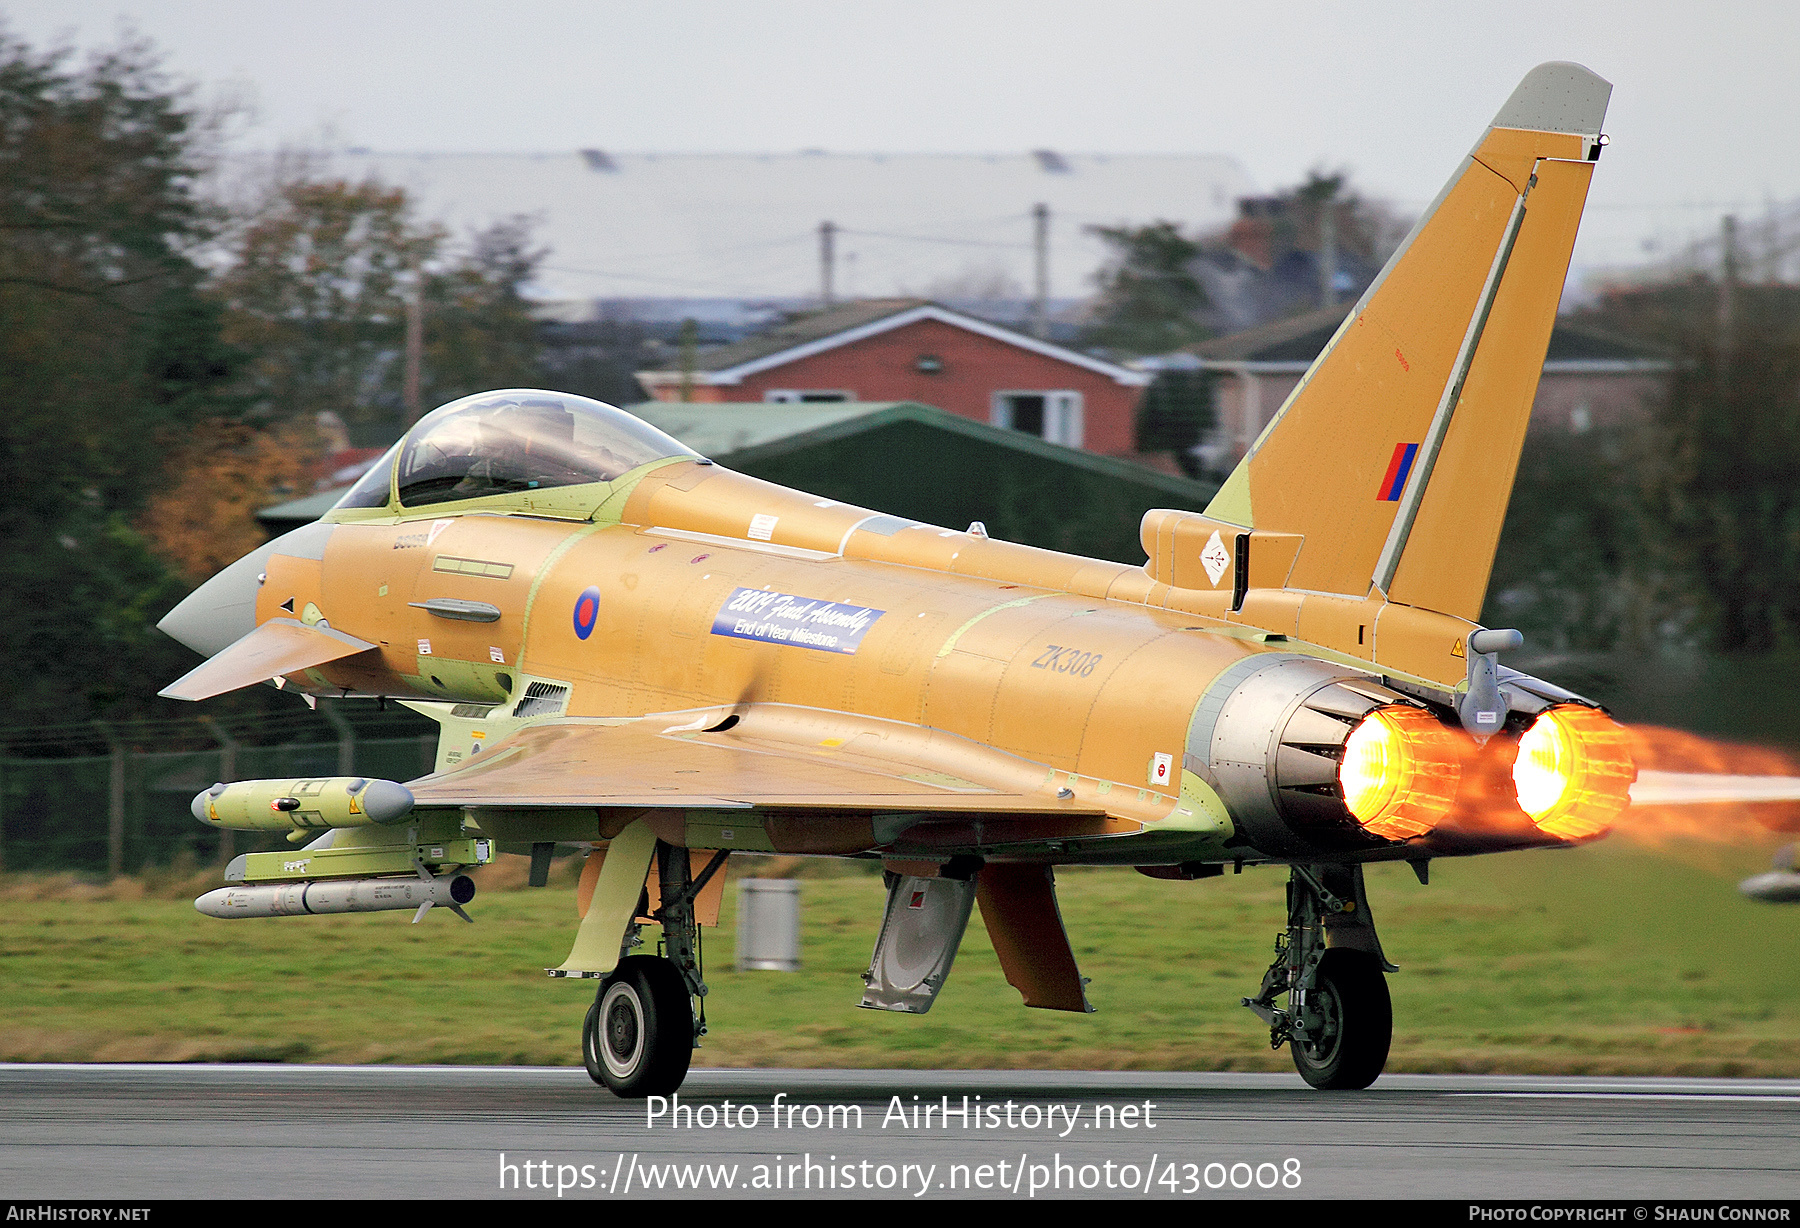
{"x":1574,"y":772}
{"x":1399,"y":772}
{"x":1312,"y":759}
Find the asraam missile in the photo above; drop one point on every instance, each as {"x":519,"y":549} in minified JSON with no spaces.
{"x":301,"y":804}
{"x":348,"y":895}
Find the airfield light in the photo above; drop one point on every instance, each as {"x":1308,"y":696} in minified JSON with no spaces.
{"x":1399,"y":772}
{"x":1573,"y":773}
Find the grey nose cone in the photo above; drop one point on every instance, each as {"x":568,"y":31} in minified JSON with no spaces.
{"x":198,"y":806}
{"x":386,"y":802}
{"x":223,"y":610}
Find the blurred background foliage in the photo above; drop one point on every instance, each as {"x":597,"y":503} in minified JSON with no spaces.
{"x":1680,"y":532}
{"x":177,"y":351}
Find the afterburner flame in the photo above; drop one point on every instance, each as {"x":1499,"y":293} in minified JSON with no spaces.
{"x":1400,"y":771}
{"x":1702,"y":761}
{"x":1574,"y":772}
{"x":1655,"y":748}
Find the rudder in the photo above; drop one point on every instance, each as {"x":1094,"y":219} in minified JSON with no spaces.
{"x":1394,"y":457}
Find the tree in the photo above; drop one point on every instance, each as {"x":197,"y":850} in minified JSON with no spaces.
{"x":316,"y":294}
{"x":479,"y":329}
{"x":1174,"y":415}
{"x":1327,"y":213}
{"x":109,"y":349}
{"x":1580,"y":566}
{"x":1726,"y":492}
{"x":1685,"y":527}
{"x":1682,"y":529}
{"x":224,"y":473}
{"x":601,"y":358}
{"x":1149,"y":295}
{"x":317,"y":291}
{"x":105,"y":337}
{"x":1298,"y":249}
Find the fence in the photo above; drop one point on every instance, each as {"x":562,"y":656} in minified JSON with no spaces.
{"x":126,"y":810}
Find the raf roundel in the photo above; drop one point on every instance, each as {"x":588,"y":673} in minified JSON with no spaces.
{"x":587,"y":609}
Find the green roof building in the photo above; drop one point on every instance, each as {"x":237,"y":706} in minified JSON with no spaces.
{"x":911,"y":460}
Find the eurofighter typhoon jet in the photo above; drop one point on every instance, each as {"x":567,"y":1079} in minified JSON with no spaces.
{"x":635,"y":652}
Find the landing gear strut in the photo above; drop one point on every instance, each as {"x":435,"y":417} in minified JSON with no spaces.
{"x":1329,"y":964}
{"x":641,"y":1031}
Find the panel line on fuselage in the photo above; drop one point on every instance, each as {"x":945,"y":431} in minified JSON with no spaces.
{"x":740,"y":543}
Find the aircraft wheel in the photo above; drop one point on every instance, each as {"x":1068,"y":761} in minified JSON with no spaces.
{"x":1350,"y":1022}
{"x":639,"y":1034}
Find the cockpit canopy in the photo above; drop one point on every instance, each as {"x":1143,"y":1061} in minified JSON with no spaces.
{"x":519,"y":440}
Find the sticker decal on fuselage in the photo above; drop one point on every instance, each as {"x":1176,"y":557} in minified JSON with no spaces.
{"x":799,"y":622}
{"x":587,"y":609}
{"x":1399,"y":466}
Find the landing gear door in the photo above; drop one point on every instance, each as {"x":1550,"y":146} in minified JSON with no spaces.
{"x":920,"y":932}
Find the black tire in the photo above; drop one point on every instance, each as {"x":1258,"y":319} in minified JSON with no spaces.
{"x":1355,"y":1023}
{"x":638,"y":1037}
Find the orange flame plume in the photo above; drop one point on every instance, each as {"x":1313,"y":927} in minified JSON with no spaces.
{"x":1752,"y":772}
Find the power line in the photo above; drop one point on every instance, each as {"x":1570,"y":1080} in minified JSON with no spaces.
{"x":884,"y":234}
{"x":689,"y":283}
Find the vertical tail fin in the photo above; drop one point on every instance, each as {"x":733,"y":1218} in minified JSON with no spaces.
{"x":1394,"y":457}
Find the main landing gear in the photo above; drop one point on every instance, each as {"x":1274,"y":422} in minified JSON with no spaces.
{"x":639,"y":1034}
{"x":642,"y":1030}
{"x":1329,"y":964}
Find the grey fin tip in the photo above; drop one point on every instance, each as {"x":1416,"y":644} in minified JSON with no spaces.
{"x":1557,"y":97}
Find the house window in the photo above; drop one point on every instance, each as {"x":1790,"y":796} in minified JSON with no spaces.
{"x":789,"y":396}
{"x":1051,"y":415}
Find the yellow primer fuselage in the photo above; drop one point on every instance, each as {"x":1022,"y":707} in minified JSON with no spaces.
{"x":1082,"y":675}
{"x":1358,"y":532}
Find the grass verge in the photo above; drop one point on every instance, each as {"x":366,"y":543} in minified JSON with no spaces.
{"x":1611,"y":959}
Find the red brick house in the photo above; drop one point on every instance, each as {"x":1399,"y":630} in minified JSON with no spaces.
{"x":913,"y":350}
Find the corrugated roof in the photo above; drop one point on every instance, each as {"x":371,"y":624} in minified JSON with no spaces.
{"x":1579,"y":343}
{"x":812,"y":326}
{"x":715,"y":429}
{"x":741,"y":433}
{"x":304,"y":510}
{"x":1297,"y":337}
{"x":746,"y":225}
{"x":1300,"y":339}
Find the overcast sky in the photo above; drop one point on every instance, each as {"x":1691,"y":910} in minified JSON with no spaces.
{"x":1705,"y":114}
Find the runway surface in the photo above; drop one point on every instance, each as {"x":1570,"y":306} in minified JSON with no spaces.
{"x":70,"y":1132}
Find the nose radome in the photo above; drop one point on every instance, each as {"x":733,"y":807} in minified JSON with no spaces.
{"x":223,"y":610}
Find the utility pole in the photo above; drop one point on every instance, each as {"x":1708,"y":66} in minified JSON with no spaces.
{"x":1771,"y":257}
{"x":1728,"y":279}
{"x":115,"y":802}
{"x":827,"y":262}
{"x":1327,"y":253}
{"x":690,"y":340}
{"x":1040,"y":299}
{"x":415,"y":342}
